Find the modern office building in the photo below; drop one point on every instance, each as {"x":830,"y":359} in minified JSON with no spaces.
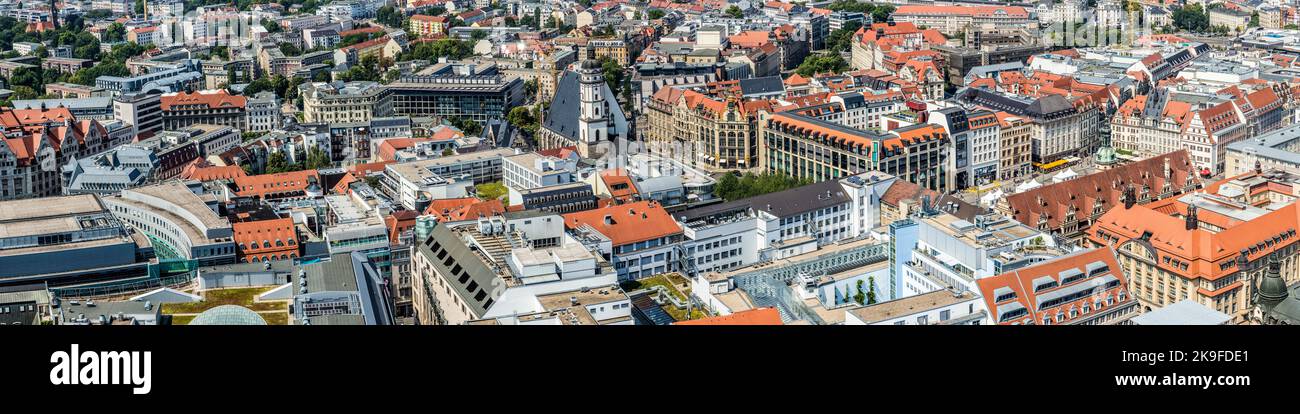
{"x":809,"y":148}
{"x":179,"y":222}
{"x":347,"y":289}
{"x":478,"y":93}
{"x":66,"y":240}
{"x":443,"y":177}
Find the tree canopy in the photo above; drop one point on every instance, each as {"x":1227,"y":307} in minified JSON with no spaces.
{"x":822,"y":64}
{"x":730,"y":187}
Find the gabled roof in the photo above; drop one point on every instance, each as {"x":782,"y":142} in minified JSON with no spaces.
{"x":1052,"y":202}
{"x":1038,"y":287}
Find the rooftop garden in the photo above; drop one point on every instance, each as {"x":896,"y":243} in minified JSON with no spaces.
{"x":674,"y":284}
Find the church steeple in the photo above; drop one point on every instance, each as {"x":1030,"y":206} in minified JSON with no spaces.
{"x":593,"y":113}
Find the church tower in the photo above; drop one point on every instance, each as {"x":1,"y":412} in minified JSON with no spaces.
{"x":593,"y":115}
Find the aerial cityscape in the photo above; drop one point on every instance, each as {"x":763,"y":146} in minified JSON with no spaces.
{"x":661,"y":162}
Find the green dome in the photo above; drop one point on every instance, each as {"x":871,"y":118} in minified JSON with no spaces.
{"x":228,"y":315}
{"x":1272,"y":289}
{"x":1288,"y":311}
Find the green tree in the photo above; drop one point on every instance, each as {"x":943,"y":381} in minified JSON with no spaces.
{"x":289,"y":49}
{"x":491,"y":191}
{"x":466,"y":125}
{"x":841,"y":40}
{"x":389,"y":16}
{"x":522,"y":117}
{"x":655,"y":14}
{"x":271,"y":26}
{"x":1191,"y":17}
{"x":860,"y":297}
{"x":115,"y":33}
{"x":878,"y":12}
{"x":822,"y":64}
{"x":735,"y":12}
{"x":732,"y":187}
{"x":277,"y":163}
{"x":871,"y":290}
{"x":316,"y":158}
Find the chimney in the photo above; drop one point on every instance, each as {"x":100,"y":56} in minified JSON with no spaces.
{"x":1192,"y":222}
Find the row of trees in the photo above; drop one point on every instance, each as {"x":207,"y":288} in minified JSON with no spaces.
{"x":732,"y":187}
{"x":864,"y":296}
{"x":452,"y":49}
{"x":277,"y":162}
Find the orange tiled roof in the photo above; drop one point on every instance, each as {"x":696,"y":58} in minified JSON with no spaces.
{"x":1200,"y":253}
{"x":287,"y":183}
{"x":399,"y":222}
{"x":618,"y":183}
{"x":201,"y":170}
{"x":465,"y":208}
{"x":1024,"y":283}
{"x":626,"y":223}
{"x":266,"y":239}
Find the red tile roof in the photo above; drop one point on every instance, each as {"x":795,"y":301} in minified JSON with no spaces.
{"x":201,"y":170}
{"x":626,"y":223}
{"x":1026,"y":282}
{"x":466,"y":208}
{"x":1053,"y":201}
{"x":266,"y":239}
{"x":618,"y":183}
{"x":1200,"y":253}
{"x":282,"y":184}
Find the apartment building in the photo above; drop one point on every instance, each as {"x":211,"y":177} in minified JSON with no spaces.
{"x":209,"y":107}
{"x":427,"y":26}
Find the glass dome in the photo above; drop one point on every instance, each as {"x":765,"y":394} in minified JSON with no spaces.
{"x":228,"y":315}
